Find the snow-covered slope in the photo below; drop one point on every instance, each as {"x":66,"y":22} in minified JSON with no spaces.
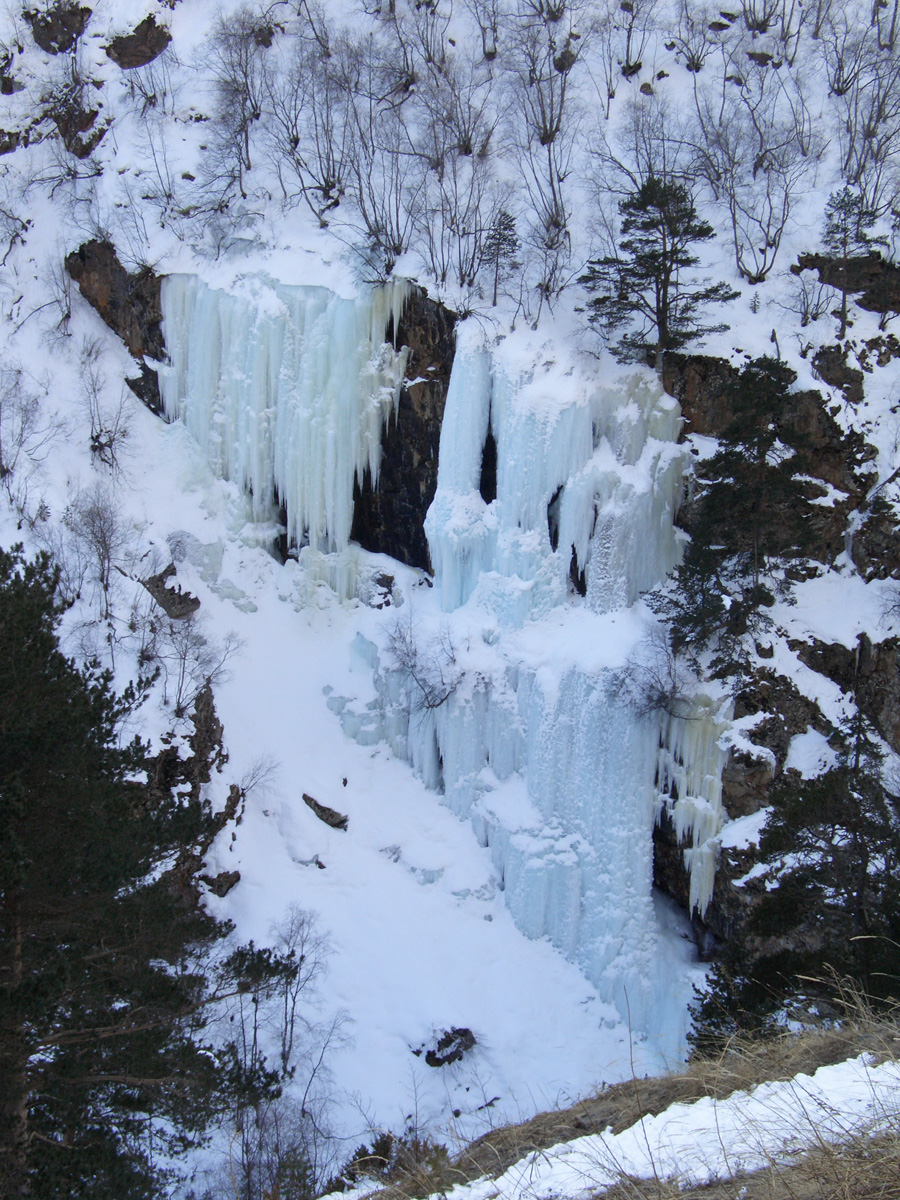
{"x":499,"y":781}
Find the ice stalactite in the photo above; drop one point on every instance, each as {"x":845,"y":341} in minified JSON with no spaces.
{"x":689,"y":782}
{"x":287,"y":390}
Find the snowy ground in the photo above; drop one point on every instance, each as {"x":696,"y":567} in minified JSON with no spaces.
{"x":408,"y":898}
{"x":693,"y":1144}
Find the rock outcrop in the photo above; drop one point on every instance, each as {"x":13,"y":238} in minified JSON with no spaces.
{"x":871,"y":672}
{"x":146,"y":42}
{"x":877,"y":280}
{"x":56,"y":29}
{"x":389,"y":518}
{"x":130,"y":306}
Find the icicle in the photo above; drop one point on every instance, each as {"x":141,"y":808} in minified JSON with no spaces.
{"x":689,"y":774}
{"x":287,"y":390}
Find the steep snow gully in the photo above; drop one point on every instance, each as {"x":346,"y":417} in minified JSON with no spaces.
{"x":504,"y":684}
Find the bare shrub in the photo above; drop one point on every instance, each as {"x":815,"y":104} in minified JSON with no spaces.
{"x":26,"y":434}
{"x":106,"y":540}
{"x":490,"y":17}
{"x":282,"y":1145}
{"x":429,"y":665}
{"x":190,"y":659}
{"x":757,"y":150}
{"x":310,"y":127}
{"x":657,"y":679}
{"x":109,"y":422}
{"x":235,"y":58}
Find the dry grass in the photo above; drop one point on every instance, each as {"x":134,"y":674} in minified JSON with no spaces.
{"x":862,"y":1168}
{"x":743,"y":1065}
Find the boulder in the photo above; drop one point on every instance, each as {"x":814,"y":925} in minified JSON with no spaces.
{"x":146,"y":42}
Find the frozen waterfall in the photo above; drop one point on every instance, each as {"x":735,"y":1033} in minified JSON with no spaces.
{"x":286,"y":389}
{"x":536,"y":745}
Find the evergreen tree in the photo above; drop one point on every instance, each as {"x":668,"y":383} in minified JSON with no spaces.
{"x":501,"y":247}
{"x":103,"y":982}
{"x":847,"y":220}
{"x":647,"y":283}
{"x":750,"y":514}
{"x":829,"y":910}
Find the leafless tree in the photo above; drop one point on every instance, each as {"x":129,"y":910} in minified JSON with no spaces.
{"x":385,"y":172}
{"x":109,"y":421}
{"x":108,"y":540}
{"x":490,"y":16}
{"x":637,"y":23}
{"x":191,"y":659}
{"x":154,"y":88}
{"x":757,"y":151}
{"x":693,"y":38}
{"x":26,"y":433}
{"x":236,"y":61}
{"x":310,"y":128}
{"x":282,"y":1145}
{"x":845,"y":49}
{"x":885,"y":14}
{"x":545,"y":50}
{"x":869,"y":128}
{"x":816,"y":16}
{"x":429,"y":663}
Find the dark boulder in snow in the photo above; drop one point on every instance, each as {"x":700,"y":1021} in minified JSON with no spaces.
{"x":447,"y":1047}
{"x":330,"y":816}
{"x":56,"y":29}
{"x":172,"y":600}
{"x":136,"y":49}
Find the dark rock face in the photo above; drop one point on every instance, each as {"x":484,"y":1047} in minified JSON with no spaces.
{"x":146,"y":387}
{"x":129,"y":304}
{"x":830,"y":364}
{"x":76,"y":123}
{"x":388,"y":519}
{"x":870,"y":671}
{"x":870,"y":274}
{"x":700,"y":383}
{"x":58,"y":28}
{"x":136,"y":49}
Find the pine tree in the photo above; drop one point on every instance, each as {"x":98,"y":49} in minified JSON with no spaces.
{"x":830,"y":908}
{"x":501,"y":247}
{"x":104,"y":982}
{"x":645,"y":284}
{"x":847,"y":220}
{"x":751,"y":514}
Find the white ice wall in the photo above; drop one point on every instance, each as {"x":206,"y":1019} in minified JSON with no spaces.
{"x":608,"y":456}
{"x":554,"y":769}
{"x":285,"y":388}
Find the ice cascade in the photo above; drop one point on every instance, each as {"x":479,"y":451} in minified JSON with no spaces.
{"x":286,"y":389}
{"x":534,"y":742}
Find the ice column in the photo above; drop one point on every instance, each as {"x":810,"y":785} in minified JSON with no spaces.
{"x":287,"y":390}
{"x":584,"y":472}
{"x":689,"y":782}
